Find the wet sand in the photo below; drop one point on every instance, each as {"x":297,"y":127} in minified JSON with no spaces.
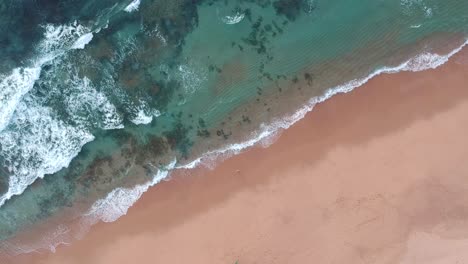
{"x":377,"y":175}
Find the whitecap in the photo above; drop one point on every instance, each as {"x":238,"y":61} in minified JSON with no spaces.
{"x":143,"y":114}
{"x":142,"y":118}
{"x":89,"y":107}
{"x":231,"y":20}
{"x":82,"y":41}
{"x":133,"y":6}
{"x":59,"y":38}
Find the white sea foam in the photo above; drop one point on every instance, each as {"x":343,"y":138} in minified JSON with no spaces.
{"x":55,"y":238}
{"x":193,"y":77}
{"x":59,"y":235}
{"x":21,"y":80}
{"x":156,"y":32}
{"x":427,"y":60}
{"x":82,"y":41}
{"x":144,"y":115}
{"x":142,"y":118}
{"x":89,"y":107}
{"x":12,"y":88}
{"x":37,"y":144}
{"x":231,"y":20}
{"x":60,"y":38}
{"x":127,"y":46}
{"x":410,"y":5}
{"x":118,"y":201}
{"x":133,"y":6}
{"x":421,"y":62}
{"x":428,"y":11}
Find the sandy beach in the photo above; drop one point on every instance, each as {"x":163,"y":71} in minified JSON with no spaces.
{"x":377,"y":175}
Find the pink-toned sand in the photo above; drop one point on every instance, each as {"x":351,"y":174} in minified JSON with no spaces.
{"x":378,"y":175}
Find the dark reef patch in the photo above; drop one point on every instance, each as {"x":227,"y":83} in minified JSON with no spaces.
{"x":291,"y":9}
{"x":178,"y":138}
{"x":155,"y":147}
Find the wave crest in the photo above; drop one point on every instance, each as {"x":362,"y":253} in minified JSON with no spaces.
{"x":133,"y":6}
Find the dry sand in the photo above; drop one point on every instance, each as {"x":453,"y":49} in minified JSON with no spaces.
{"x":378,"y":175}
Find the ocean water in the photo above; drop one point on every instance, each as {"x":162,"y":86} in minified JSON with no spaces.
{"x":101,"y":100}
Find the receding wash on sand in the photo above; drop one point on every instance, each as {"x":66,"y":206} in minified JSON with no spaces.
{"x":102,"y":100}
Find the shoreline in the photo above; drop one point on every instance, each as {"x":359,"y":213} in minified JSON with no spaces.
{"x":308,"y":187}
{"x":61,"y":230}
{"x":289,"y":115}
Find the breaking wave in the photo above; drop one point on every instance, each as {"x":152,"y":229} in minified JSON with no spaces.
{"x":35,"y":144}
{"x":143,"y":114}
{"x":13,"y":88}
{"x":231,"y":20}
{"x":34,"y":141}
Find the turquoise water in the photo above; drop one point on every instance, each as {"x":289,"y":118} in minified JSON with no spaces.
{"x":100,"y":97}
